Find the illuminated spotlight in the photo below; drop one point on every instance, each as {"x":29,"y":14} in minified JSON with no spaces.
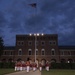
{"x":30,"y":34}
{"x":38,"y":34}
{"x":42,"y":34}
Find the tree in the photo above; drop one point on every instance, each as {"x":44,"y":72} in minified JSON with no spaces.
{"x":1,"y":46}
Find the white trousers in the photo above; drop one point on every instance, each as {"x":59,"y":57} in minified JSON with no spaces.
{"x":15,"y":68}
{"x":40,"y":68}
{"x":23,"y":68}
{"x":47,"y":68}
{"x":20,"y":68}
{"x":34,"y":68}
{"x":27,"y":68}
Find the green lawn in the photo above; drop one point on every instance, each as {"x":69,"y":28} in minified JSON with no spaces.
{"x":58,"y":72}
{"x":6,"y":71}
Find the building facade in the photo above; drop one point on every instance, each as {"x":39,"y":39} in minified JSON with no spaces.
{"x":41,"y":47}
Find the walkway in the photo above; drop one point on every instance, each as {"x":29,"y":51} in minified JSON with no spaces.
{"x":37,"y":72}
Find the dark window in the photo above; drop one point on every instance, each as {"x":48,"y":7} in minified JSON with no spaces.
{"x":30,"y":52}
{"x":4,"y":52}
{"x":54,"y":42}
{"x":20,"y":52}
{"x":43,"y":52}
{"x":29,"y":43}
{"x":11,"y":53}
{"x":52,"y":52}
{"x":62,"y":52}
{"x":50,"y":42}
{"x":36,"y":51}
{"x":69,"y":53}
{"x":36,"y":42}
{"x":22,"y":43}
{"x":43,"y":43}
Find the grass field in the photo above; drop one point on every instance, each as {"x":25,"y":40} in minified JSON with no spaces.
{"x":6,"y":71}
{"x":58,"y":72}
{"x":44,"y":72}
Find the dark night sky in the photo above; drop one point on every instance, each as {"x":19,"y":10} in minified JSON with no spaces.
{"x":49,"y":17}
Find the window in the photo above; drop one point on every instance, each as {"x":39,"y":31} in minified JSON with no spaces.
{"x":52,"y":42}
{"x":4,"y":53}
{"x":36,"y":51}
{"x":69,"y":53}
{"x":36,"y":42}
{"x":52,"y":51}
{"x":29,"y":52}
{"x":20,"y":52}
{"x":62,"y":52}
{"x":43,"y":43}
{"x":20,"y":43}
{"x":30,"y":43}
{"x":11,"y":53}
{"x":43,"y":52}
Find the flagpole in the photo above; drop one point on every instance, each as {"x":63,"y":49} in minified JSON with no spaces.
{"x":34,"y":5}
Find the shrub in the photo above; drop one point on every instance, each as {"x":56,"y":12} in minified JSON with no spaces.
{"x":7,"y":64}
{"x":63,"y":65}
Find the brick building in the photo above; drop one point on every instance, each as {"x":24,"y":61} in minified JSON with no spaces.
{"x":42,"y":47}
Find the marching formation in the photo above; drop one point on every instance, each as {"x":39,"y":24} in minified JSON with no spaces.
{"x":21,"y":66}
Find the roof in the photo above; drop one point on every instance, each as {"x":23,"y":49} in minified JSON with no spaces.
{"x":9,"y":48}
{"x":66,"y":47}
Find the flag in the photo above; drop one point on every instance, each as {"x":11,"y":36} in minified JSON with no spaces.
{"x":33,"y":5}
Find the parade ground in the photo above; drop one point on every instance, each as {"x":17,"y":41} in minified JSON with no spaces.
{"x":37,"y":72}
{"x":43,"y":72}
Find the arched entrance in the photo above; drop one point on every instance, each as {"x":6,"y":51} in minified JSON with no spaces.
{"x":4,"y":60}
{"x":53,"y":60}
{"x":63,"y":61}
{"x":10,"y":60}
{"x":19,"y":59}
